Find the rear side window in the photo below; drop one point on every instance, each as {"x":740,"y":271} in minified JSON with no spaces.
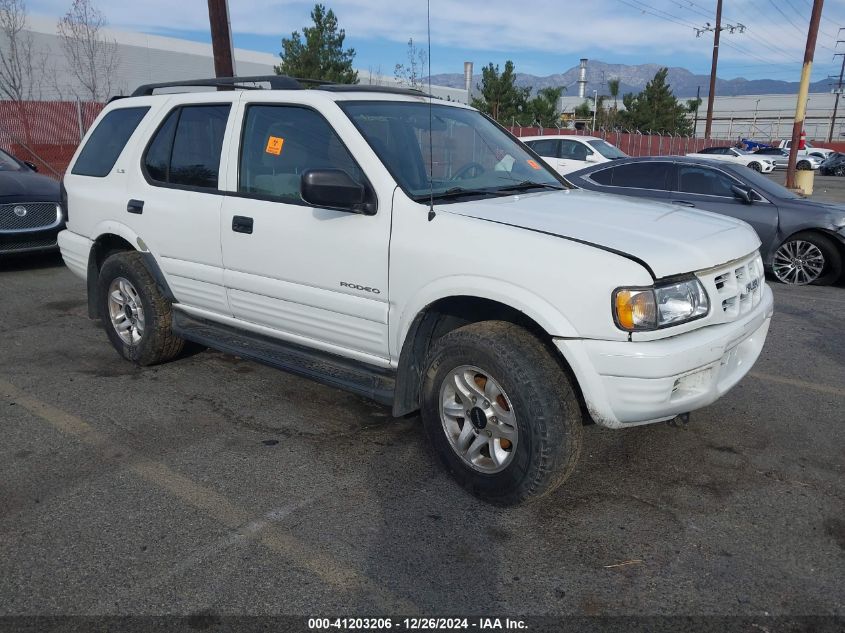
{"x":185,"y":150}
{"x":107,"y":141}
{"x":546,"y":147}
{"x":602,"y":177}
{"x":646,"y":175}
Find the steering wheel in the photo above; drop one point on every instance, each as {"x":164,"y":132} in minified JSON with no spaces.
{"x":463,"y":171}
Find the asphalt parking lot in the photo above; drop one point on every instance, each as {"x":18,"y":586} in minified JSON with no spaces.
{"x":212,"y":485}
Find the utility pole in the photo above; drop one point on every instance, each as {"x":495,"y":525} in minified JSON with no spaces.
{"x":803,"y":90}
{"x":838,"y":93}
{"x":712,"y":95}
{"x":697,"y":105}
{"x":717,"y":30}
{"x":221,"y":38}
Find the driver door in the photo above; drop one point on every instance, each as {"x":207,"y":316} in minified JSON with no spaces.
{"x":305,"y":273}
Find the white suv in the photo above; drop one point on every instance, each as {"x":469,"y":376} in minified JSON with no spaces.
{"x":414,"y":252}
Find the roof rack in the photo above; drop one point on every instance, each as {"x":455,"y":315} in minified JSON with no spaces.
{"x":277,"y":82}
{"x":359,"y":88}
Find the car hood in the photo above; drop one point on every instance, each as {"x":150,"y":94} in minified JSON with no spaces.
{"x":27,"y":186}
{"x":670,"y":240}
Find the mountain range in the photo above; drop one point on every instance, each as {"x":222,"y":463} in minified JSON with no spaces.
{"x":634,"y":78}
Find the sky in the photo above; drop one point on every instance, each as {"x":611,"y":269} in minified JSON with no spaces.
{"x":542,"y":37}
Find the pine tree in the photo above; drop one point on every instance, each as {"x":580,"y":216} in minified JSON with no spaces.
{"x":321,"y":54}
{"x":543,"y":107}
{"x":655,"y":109}
{"x":500,"y":97}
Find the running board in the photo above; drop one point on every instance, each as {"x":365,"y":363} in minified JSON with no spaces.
{"x":365,"y":380}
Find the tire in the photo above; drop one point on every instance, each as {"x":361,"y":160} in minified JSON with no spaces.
{"x":839,"y":170}
{"x":803,"y":165}
{"x":528,"y":387}
{"x":149,"y":339}
{"x":756,"y":166}
{"x":812,"y":250}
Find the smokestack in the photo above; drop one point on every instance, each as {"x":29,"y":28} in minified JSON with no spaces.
{"x":468,"y":80}
{"x":582,"y":79}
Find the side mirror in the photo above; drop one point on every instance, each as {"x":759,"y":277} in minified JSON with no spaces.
{"x":745,"y":194}
{"x":31,"y":165}
{"x":334,"y":188}
{"x":591,"y":158}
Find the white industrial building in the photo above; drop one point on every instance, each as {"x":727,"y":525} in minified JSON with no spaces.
{"x":144,"y":58}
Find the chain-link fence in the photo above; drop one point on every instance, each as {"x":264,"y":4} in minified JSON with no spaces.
{"x":45,"y":133}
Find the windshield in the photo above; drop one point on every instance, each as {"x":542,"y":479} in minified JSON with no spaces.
{"x":7,"y":163}
{"x":468,"y":155}
{"x":607,"y":150}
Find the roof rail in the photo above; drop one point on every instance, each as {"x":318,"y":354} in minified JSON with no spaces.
{"x":277,"y":82}
{"x":371,"y":88}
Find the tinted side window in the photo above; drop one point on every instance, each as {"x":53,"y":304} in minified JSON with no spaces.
{"x":107,"y":142}
{"x":642,"y":175}
{"x":544,"y":147}
{"x":280,"y":143}
{"x":704,"y":181}
{"x":157,"y":160}
{"x":602,"y":177}
{"x":186,"y":148}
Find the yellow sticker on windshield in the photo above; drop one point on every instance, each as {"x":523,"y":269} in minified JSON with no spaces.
{"x":533,"y":164}
{"x":274,"y":145}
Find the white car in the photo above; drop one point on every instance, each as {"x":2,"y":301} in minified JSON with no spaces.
{"x":809,"y":150}
{"x":567,"y":153}
{"x":737,"y":157}
{"x":305,"y":229}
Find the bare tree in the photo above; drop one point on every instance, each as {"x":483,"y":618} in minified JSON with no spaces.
{"x":412,"y":73}
{"x":92,"y":58}
{"x":18,"y":81}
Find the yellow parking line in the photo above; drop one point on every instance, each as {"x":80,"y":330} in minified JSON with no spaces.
{"x":214,"y":505}
{"x":801,"y":384}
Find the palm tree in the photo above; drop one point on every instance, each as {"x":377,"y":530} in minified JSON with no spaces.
{"x":613,"y":88}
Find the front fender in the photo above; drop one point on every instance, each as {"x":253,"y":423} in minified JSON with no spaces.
{"x":536,"y":308}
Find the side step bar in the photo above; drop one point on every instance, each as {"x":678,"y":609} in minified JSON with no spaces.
{"x":335,"y":371}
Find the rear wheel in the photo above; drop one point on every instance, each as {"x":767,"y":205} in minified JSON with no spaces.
{"x":136,"y":316}
{"x":500,"y":412}
{"x":756,"y":166}
{"x":807,"y":258}
{"x":803,"y":165}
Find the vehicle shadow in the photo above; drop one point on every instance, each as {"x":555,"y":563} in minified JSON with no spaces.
{"x":17,"y":263}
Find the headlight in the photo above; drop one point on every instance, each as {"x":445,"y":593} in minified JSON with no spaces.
{"x":638,"y":309}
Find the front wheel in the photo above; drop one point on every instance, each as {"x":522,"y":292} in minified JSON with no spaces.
{"x":136,"y":317}
{"x":756,"y":166}
{"x":807,"y":258}
{"x":500,"y":412}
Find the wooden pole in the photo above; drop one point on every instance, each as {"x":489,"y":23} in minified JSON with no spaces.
{"x":221,"y":38}
{"x":803,"y":90}
{"x":716,"y":32}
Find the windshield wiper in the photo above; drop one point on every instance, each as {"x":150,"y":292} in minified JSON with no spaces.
{"x":455,"y":192}
{"x":528,"y":184}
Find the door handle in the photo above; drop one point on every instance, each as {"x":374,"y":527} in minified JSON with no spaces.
{"x":242,"y":224}
{"x":683,"y":203}
{"x":135,"y":206}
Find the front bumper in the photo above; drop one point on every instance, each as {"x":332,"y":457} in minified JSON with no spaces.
{"x":631,"y":383}
{"x":35,"y":241}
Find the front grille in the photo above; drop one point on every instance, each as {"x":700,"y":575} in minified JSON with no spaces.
{"x":23,"y":243}
{"x":36,"y":215}
{"x":736,"y":288}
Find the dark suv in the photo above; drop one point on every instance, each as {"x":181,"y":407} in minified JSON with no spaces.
{"x":31,"y":213}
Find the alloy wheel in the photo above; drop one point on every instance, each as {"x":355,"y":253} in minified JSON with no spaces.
{"x":126,"y":311}
{"x":478,"y":419}
{"x":798,"y":262}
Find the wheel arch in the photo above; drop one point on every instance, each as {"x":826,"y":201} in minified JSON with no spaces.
{"x":115,"y":238}
{"x":448,"y":313}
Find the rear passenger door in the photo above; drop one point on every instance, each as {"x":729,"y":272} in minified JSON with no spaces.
{"x":176,"y":200}
{"x":299,"y":271}
{"x":573,"y":156}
